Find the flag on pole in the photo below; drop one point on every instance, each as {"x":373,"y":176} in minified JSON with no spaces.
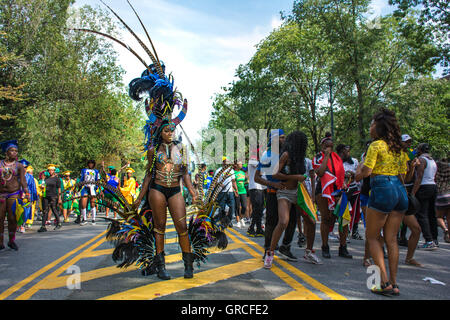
{"x":305,"y":203}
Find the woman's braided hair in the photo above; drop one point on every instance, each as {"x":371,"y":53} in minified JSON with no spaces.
{"x":387,"y":129}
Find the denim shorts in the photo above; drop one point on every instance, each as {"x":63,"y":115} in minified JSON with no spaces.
{"x":387,"y":194}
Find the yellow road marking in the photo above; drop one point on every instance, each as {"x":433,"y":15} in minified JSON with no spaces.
{"x":61,"y":281}
{"x":163,"y":288}
{"x":27,"y":280}
{"x":311,"y":281}
{"x":300,"y":292}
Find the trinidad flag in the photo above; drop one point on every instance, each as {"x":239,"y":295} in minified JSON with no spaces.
{"x":333,"y":177}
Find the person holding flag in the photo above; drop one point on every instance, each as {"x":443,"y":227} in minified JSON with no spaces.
{"x":13,"y":186}
{"x":330,"y":169}
{"x":291,"y":171}
{"x":31,"y":183}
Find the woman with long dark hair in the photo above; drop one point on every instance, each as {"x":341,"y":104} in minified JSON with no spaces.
{"x":386,"y":164}
{"x":291,"y":171}
{"x":163,"y":187}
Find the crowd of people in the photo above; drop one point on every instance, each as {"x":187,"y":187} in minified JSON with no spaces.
{"x":393,"y":187}
{"x":50,"y":197}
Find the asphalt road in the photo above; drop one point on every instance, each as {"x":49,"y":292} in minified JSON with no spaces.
{"x":43,"y":269}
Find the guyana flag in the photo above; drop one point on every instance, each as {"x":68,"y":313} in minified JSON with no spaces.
{"x":342,"y":211}
{"x":19,"y":208}
{"x":305,"y":203}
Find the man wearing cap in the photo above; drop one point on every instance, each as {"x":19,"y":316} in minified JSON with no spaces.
{"x":129,"y":186}
{"x":31,"y":183}
{"x":52,"y":197}
{"x":228,"y":192}
{"x":68,"y":184}
{"x":13,"y":185}
{"x":407,"y":142}
{"x":34,"y":196}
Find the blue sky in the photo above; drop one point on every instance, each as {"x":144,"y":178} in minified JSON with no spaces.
{"x":202,"y":42}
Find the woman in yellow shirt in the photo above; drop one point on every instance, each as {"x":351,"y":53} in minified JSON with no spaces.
{"x":129,"y":186}
{"x":386,"y":164}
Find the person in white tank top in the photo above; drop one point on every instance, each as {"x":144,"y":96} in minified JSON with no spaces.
{"x":425,"y":191}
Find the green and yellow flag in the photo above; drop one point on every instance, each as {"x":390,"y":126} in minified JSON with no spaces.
{"x":305,"y":203}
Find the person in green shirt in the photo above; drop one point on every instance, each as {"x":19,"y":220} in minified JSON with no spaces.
{"x":241,"y":199}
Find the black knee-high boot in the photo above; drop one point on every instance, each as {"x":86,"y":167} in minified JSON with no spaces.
{"x":188,"y":259}
{"x":160,"y":263}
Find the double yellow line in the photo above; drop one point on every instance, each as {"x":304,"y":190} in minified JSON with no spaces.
{"x":155,"y":290}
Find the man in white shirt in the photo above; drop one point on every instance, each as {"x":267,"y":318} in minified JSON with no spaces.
{"x":228,"y":192}
{"x":256,"y":192}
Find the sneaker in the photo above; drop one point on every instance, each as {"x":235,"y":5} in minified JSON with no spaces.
{"x":58,"y":226}
{"x":66,"y":220}
{"x":436,"y":243}
{"x":82,"y":223}
{"x":251,"y":233}
{"x":243,"y":223}
{"x":22,"y":229}
{"x":429,"y":246}
{"x":356,"y":236}
{"x":311,"y":257}
{"x":93,"y":222}
{"x":285,"y":252}
{"x":238,"y":224}
{"x":268,"y":260}
{"x":259,"y":233}
{"x":42,"y":229}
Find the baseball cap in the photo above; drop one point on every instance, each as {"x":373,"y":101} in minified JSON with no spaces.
{"x":406,"y":137}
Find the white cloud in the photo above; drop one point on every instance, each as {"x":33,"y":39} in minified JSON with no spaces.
{"x":201,"y":50}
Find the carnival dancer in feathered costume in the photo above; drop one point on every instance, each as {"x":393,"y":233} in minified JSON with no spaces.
{"x":139,"y":237}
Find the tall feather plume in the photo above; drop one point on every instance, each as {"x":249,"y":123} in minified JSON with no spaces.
{"x":215,"y":181}
{"x":116,"y":40}
{"x":148,"y":36}
{"x":219,"y":184}
{"x":155,"y":61}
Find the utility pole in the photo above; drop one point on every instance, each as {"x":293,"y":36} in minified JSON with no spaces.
{"x":330,"y":83}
